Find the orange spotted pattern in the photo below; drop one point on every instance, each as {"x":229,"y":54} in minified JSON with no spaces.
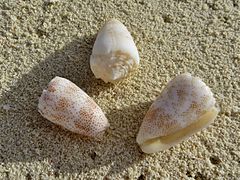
{"x":62,"y":104}
{"x":51,"y":88}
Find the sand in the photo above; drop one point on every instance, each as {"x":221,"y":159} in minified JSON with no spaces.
{"x":41,"y":40}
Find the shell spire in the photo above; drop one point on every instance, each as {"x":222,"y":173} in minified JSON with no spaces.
{"x":65,"y":104}
{"x":184,"y":107}
{"x":114,"y":53}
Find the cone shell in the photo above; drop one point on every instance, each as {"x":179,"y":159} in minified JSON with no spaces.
{"x":67,"y":105}
{"x":184,"y":107}
{"x":114,"y":53}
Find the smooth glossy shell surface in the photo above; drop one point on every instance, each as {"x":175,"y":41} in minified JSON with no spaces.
{"x":114,"y":53}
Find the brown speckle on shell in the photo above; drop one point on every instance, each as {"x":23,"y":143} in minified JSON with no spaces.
{"x":194,"y":105}
{"x":46,"y":97}
{"x":152,"y":114}
{"x":62,"y":104}
{"x":59,"y":117}
{"x":51,"y":88}
{"x":81,"y":128}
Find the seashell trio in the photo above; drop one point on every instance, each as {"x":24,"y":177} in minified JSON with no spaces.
{"x":184,"y":107}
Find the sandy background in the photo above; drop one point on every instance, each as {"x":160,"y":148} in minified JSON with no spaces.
{"x":39,"y":41}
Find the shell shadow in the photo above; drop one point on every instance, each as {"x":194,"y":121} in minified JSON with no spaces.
{"x":28,"y":137}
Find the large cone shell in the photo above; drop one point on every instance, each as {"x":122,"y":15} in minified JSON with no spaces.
{"x":183,"y":101}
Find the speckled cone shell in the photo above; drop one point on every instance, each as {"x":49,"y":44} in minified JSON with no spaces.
{"x":114,"y":53}
{"x":67,"y":105}
{"x":184,"y":107}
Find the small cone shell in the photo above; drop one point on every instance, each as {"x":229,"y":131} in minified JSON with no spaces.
{"x":184,"y":107}
{"x":67,"y":105}
{"x":114,"y":53}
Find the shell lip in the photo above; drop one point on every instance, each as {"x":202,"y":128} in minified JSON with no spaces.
{"x":108,"y":75}
{"x":160,"y":143}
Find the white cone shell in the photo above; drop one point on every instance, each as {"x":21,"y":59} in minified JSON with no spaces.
{"x":67,"y":105}
{"x":114,"y":53}
{"x":182,"y":102}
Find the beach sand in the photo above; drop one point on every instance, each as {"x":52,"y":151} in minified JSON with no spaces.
{"x":40,"y":40}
